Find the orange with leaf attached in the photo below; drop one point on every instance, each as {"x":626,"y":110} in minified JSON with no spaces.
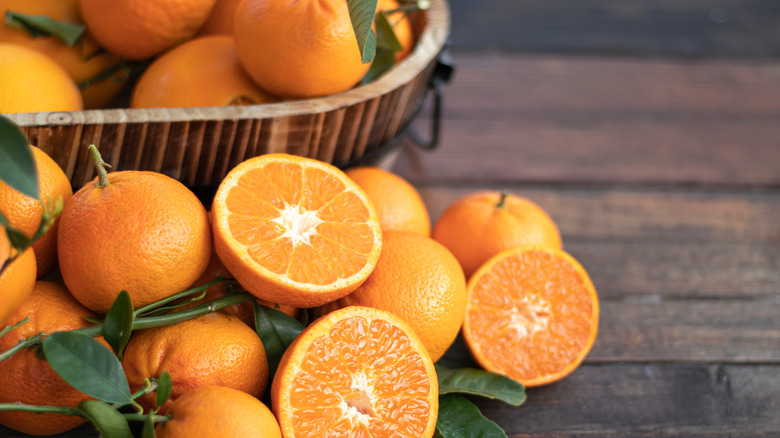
{"x":25,"y":213}
{"x":25,"y":378}
{"x":298,"y":49}
{"x":213,"y":349}
{"x":143,"y":232}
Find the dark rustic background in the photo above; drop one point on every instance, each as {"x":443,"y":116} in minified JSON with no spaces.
{"x":650,"y":130}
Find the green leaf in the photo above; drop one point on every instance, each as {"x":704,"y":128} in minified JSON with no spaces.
{"x":118,"y":325}
{"x":481,"y":383}
{"x":385,"y":34}
{"x":277,"y":331}
{"x":164,"y":388}
{"x":107,"y":420}
{"x":458,"y":356}
{"x":459,"y":418}
{"x":148,"y":431}
{"x":42,"y":25}
{"x":383,"y":62}
{"x":88,"y":366}
{"x":17,"y":166}
{"x":19,"y":240}
{"x":361,"y":12}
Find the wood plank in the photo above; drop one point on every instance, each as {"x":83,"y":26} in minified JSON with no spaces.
{"x":684,"y":28}
{"x":649,"y":400}
{"x":550,"y":119}
{"x":508,"y":86}
{"x":662,"y":270}
{"x":632,"y":215}
{"x":693,"y":331}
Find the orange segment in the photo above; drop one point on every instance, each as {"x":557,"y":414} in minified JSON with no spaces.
{"x":358,"y":372}
{"x":532,"y":314}
{"x":295,"y":231}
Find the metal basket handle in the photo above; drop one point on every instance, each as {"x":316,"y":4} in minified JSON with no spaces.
{"x":442,"y":74}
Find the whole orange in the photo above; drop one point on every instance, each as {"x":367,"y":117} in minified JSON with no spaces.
{"x":17,"y":280}
{"x":398,"y":204}
{"x":222,"y":18}
{"x":217,"y":412}
{"x":33,"y":82}
{"x":144,"y":232}
{"x":200,"y":72}
{"x":420,"y":281}
{"x":298,"y":49}
{"x":481,"y":225}
{"x":402,"y":26}
{"x":25,"y":213}
{"x":141,"y":29}
{"x":25,"y":378}
{"x":83,"y":62}
{"x":213,"y":349}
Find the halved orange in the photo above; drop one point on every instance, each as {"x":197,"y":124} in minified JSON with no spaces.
{"x":295,"y":231}
{"x":356,"y":372}
{"x":532,"y":314}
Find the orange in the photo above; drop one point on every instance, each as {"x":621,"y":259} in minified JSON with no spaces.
{"x":33,"y":82}
{"x":402,"y":27}
{"x":397,"y":203}
{"x":294,"y":230}
{"x":479,"y":226}
{"x":26,"y":213}
{"x":244,"y":311}
{"x":417,"y":279}
{"x":532,"y":314}
{"x":358,"y":372}
{"x":27,"y":379}
{"x":298,"y":49}
{"x":200,"y":72}
{"x":213,"y":349}
{"x":222,"y":18}
{"x":141,"y":29}
{"x":17,"y":280}
{"x":144,"y":232}
{"x":218,"y":412}
{"x":83,"y":61}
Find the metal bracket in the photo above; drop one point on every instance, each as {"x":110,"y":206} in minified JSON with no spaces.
{"x":442,"y":74}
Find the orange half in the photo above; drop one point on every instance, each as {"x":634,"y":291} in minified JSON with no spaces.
{"x":532,"y":314}
{"x":295,"y":231}
{"x":356,"y":372}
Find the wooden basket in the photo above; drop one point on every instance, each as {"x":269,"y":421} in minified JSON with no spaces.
{"x":198,"y":146}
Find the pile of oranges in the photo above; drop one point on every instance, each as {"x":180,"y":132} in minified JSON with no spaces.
{"x":193,"y":53}
{"x":390,"y":294}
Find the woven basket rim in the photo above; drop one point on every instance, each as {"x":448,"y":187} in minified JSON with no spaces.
{"x":429,"y":44}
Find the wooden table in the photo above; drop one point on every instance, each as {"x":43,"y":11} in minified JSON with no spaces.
{"x":661,"y":167}
{"x":663,"y":174}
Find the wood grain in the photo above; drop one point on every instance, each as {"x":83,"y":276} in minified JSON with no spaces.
{"x":628,"y":214}
{"x":599,"y":120}
{"x":680,"y":28}
{"x":651,"y":400}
